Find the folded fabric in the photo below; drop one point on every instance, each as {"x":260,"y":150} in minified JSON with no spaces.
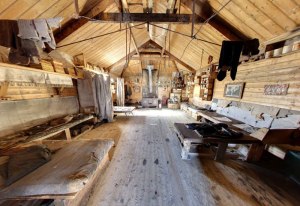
{"x":42,"y":29}
{"x":27,"y":30}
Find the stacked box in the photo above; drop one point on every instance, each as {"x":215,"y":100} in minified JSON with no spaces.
{"x":47,"y":65}
{"x":58,"y":67}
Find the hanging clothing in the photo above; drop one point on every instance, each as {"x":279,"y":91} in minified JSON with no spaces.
{"x":230,"y":55}
{"x":229,"y":58}
{"x":9,"y":34}
{"x":120,"y":92}
{"x":39,"y":30}
{"x":94,"y":91}
{"x":85,"y":91}
{"x":250,"y":47}
{"x":103,"y":97}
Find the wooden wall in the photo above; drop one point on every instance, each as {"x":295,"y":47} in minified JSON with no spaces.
{"x":282,"y":70}
{"x":19,"y":91}
{"x":29,"y":97}
{"x":19,"y":115}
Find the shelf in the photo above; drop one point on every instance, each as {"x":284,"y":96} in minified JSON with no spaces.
{"x":15,"y":66}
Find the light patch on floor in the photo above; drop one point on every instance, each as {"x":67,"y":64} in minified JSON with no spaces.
{"x":146,"y":169}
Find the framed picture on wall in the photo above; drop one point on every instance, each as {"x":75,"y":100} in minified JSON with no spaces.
{"x":234,"y":90}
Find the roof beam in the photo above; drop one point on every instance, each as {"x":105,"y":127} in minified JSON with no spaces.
{"x":147,"y":17}
{"x":191,"y":69}
{"x":204,"y":10}
{"x":153,"y":58}
{"x":170,"y":9}
{"x":74,"y":24}
{"x":125,"y":57}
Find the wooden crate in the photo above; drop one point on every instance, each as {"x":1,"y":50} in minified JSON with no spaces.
{"x":46,"y":65}
{"x":58,"y":67}
{"x":173,"y":106}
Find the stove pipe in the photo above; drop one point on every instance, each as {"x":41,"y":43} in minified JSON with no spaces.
{"x":150,"y":68}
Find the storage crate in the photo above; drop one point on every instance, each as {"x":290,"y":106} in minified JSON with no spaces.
{"x":58,"y":67}
{"x":47,"y":65}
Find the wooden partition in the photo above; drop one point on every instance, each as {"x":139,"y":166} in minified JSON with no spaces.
{"x":281,"y":70}
{"x":19,"y":115}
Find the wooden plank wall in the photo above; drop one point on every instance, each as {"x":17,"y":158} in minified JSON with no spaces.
{"x":19,"y":91}
{"x":19,"y":115}
{"x":282,"y":70}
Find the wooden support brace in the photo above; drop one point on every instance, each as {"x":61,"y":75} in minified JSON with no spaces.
{"x":221,"y":151}
{"x":3,"y":89}
{"x":255,"y":152}
{"x":68,"y":134}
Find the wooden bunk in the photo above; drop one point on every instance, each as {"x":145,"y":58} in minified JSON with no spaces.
{"x":67,"y":177}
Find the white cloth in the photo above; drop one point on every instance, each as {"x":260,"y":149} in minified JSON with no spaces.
{"x":27,"y":30}
{"x":120,"y":92}
{"x":42,"y":29}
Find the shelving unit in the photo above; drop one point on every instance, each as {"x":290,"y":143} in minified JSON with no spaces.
{"x":207,"y":83}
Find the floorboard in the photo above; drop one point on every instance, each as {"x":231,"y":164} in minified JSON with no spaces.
{"x":146,"y":169}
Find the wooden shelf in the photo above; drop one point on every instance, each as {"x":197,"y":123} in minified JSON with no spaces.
{"x":14,"y":66}
{"x":271,"y":60}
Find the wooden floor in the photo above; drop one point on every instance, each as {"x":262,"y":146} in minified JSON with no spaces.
{"x":146,"y":169}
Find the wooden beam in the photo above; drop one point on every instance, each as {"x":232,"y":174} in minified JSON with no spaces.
{"x":126,"y":10}
{"x":124,"y":58}
{"x":153,"y":58}
{"x":170,"y":9}
{"x":134,"y":41}
{"x":191,"y":69}
{"x":147,"y":17}
{"x":175,"y":65}
{"x":204,"y":10}
{"x":74,"y":24}
{"x":120,"y":60}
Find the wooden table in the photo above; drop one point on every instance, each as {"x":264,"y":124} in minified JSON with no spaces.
{"x":190,"y":139}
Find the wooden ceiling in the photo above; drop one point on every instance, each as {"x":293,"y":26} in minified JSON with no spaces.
{"x":262,"y":19}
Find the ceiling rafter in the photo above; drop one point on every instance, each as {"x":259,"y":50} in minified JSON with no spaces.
{"x":191,"y":69}
{"x":124,"y":58}
{"x":153,"y":43}
{"x":125,"y":10}
{"x":147,"y":17}
{"x":74,"y":24}
{"x":204,"y":10}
